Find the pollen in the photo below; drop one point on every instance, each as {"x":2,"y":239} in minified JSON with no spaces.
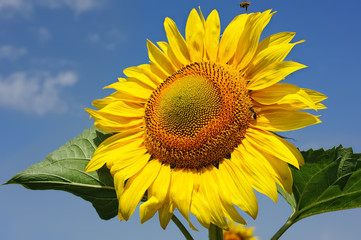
{"x":197,"y":116}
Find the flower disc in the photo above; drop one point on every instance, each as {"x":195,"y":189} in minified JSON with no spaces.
{"x":197,"y":116}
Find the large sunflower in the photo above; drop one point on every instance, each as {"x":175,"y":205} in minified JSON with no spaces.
{"x":194,"y":128}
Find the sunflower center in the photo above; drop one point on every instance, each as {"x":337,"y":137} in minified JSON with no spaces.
{"x":197,"y":116}
{"x":188,"y":105}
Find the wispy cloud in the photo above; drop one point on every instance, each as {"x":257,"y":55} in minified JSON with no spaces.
{"x":11,"y":52}
{"x":110,"y":39}
{"x":115,"y":37}
{"x":76,"y":5}
{"x":43,"y":34}
{"x":10,"y":8}
{"x":93,"y":38}
{"x":35,"y":93}
{"x":52,"y":63}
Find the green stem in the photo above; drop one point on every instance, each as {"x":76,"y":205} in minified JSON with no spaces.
{"x":283,"y":229}
{"x":215,"y":233}
{"x":181,"y":227}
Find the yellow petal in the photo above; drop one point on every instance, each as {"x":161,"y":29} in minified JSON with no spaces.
{"x":123,"y":96}
{"x":158,"y":58}
{"x":200,"y":209}
{"x":119,"y":156}
{"x":266,"y":57}
{"x":202,"y":17}
{"x":147,"y":70}
{"x":209,"y":191}
{"x":276,"y":39}
{"x":260,"y":159}
{"x":117,"y":114}
{"x":283,"y":93}
{"x":157,"y":194}
{"x":165,"y":214}
{"x":100,"y":103}
{"x":169,"y":52}
{"x":176,"y":41}
{"x":295,"y":105}
{"x":159,"y":188}
{"x":283,"y":172}
{"x":119,"y":139}
{"x":248,"y":43}
{"x":257,"y":172}
{"x":127,"y":171}
{"x":104,"y":123}
{"x":194,"y":36}
{"x":273,"y":74}
{"x":158,"y":71}
{"x":225,"y":195}
{"x":119,"y":109}
{"x":119,"y":160}
{"x":130,"y":88}
{"x":163,"y":46}
{"x":284,"y":120}
{"x":212,"y":35}
{"x":290,"y":105}
{"x":231,"y":37}
{"x":315,"y":96}
{"x":272,"y":144}
{"x":240,"y":188}
{"x":136,"y":187}
{"x":320,"y":106}
{"x":140,"y":74}
{"x":181,"y":191}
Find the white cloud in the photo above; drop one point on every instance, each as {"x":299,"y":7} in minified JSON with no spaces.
{"x":116,"y":34}
{"x":94,"y":38}
{"x":110,"y":39}
{"x":8,"y":8}
{"x":12,"y":4}
{"x":36,"y":93}
{"x":115,"y":37}
{"x":44,"y":34}
{"x":77,"y":5}
{"x":11,"y":53}
{"x":52,"y":63}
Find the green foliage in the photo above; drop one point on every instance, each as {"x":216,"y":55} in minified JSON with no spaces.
{"x":290,"y":198}
{"x":63,"y":169}
{"x":329,"y":181}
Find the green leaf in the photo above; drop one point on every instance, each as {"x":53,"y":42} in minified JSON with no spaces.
{"x":290,"y":198}
{"x":63,"y":169}
{"x":329,"y":181}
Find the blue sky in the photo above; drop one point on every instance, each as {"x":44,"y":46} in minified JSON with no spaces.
{"x":56,"y":55}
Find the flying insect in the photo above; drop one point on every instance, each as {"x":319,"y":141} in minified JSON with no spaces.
{"x":245,"y":5}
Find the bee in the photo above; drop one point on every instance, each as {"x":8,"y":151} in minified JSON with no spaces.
{"x":254,"y":114}
{"x":245,"y":5}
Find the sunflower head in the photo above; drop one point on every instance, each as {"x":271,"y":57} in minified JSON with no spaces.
{"x":194,"y":127}
{"x":197,"y":116}
{"x":238,"y":232}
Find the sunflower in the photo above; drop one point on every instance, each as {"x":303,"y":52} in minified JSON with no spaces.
{"x":194,"y":127}
{"x":238,"y":232}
